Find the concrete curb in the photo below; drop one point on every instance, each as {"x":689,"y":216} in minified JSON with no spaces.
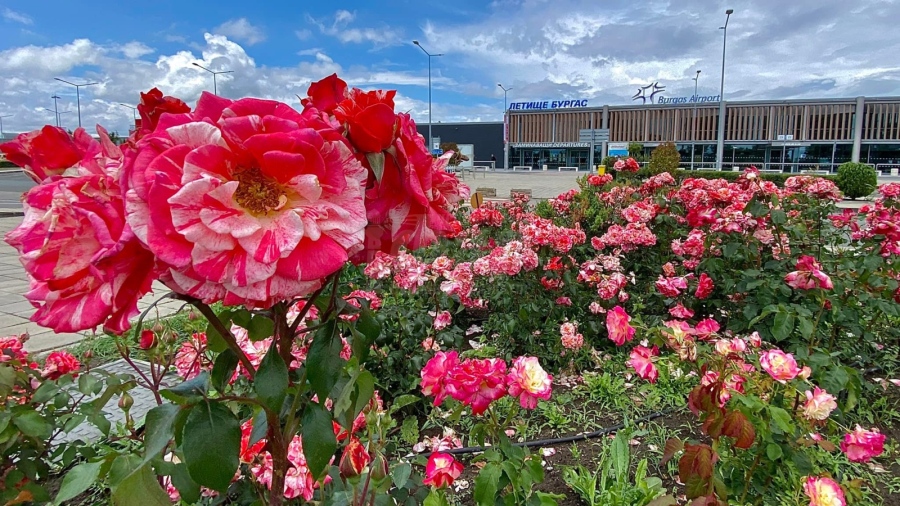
{"x":11,"y":213}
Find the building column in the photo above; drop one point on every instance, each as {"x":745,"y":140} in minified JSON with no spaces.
{"x":720,"y":139}
{"x":857,"y":128}
{"x":591,"y":152}
{"x":605,"y":124}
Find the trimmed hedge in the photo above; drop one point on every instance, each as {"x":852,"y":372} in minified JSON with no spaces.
{"x":6,"y":164}
{"x":681,"y":175}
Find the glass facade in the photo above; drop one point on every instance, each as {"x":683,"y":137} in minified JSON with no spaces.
{"x":809,"y":156}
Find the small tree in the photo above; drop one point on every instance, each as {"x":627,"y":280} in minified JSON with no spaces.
{"x":665,"y":158}
{"x":856,"y":180}
{"x":636,"y":150}
{"x":457,"y":155}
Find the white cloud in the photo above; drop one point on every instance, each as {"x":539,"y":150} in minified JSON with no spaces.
{"x":303,"y":34}
{"x":135,"y":49}
{"x":17,"y":17}
{"x":340,"y":29}
{"x":241,"y":30}
{"x":48,"y":60}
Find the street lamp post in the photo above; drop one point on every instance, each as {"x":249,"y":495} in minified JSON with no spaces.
{"x":77,"y":94}
{"x":505,"y":132}
{"x":430,"y":137}
{"x":720,"y":145}
{"x":694,"y":118}
{"x":214,"y":73}
{"x":1,"y":122}
{"x":56,"y":108}
{"x":133,"y":112}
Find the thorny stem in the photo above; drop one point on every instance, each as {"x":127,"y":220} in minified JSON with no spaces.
{"x":750,"y":477}
{"x":815,"y":331}
{"x":226,"y":334}
{"x":306,"y":307}
{"x":153,"y":386}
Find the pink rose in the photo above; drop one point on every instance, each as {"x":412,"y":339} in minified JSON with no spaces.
{"x":617,"y":325}
{"x":441,"y":470}
{"x":704,"y":287}
{"x":706,"y":328}
{"x":58,"y":364}
{"x":528,"y":381}
{"x":442,"y":320}
{"x":477,"y":383}
{"x":13,"y":348}
{"x":679,"y":311}
{"x":434,"y":375}
{"x":642,"y":362}
{"x":861,"y":445}
{"x":596,"y":308}
{"x":823,"y":491}
{"x":808,"y":275}
{"x":819,"y":404}
{"x":246,"y":202}
{"x":781,"y":366}
{"x":85,"y":266}
{"x":51,"y":151}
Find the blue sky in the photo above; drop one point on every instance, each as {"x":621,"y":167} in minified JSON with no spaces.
{"x":543,"y":49}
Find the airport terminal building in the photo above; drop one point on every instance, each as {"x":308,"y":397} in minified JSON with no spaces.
{"x":788,"y":135}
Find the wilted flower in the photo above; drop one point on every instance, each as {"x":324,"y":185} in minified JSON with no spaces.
{"x":861,"y":445}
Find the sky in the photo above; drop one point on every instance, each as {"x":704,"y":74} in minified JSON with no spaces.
{"x":599,"y":50}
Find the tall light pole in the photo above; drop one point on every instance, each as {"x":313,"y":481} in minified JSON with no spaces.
{"x":56,"y":108}
{"x":720,"y":145}
{"x":133,"y":111}
{"x":505,"y":127}
{"x":694,"y":125}
{"x":214,"y":73}
{"x":1,"y":122}
{"x":430,"y":137}
{"x":77,"y":94}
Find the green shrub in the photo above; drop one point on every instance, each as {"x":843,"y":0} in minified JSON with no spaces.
{"x":856,"y":180}
{"x":635,"y":149}
{"x":665,"y":158}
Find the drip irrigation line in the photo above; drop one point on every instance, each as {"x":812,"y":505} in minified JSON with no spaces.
{"x":568,"y":439}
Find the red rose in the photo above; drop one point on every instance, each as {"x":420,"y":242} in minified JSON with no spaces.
{"x":326,"y":94}
{"x":371,"y":122}
{"x":49,"y":151}
{"x":154,"y":104}
{"x":148,"y":339}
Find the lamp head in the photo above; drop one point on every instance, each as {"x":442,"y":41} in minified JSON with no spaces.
{"x":195,"y":64}
{"x":416,"y":42}
{"x":729,"y":12}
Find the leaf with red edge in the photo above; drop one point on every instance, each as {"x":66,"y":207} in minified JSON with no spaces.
{"x":698,"y":460}
{"x":696,"y":486}
{"x":704,"y":398}
{"x":673,"y":446}
{"x":713,"y":423}
{"x":739,"y":427}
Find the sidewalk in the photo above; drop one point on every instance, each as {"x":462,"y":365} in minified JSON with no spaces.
{"x":15,"y":310}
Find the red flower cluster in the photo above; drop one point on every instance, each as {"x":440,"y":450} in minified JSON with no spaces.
{"x":486,"y":216}
{"x":479,"y":382}
{"x":537,"y":232}
{"x":599,"y":179}
{"x":627,"y":165}
{"x":246,"y":202}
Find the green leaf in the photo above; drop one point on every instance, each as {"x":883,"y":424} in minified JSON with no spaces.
{"x":805,"y":326}
{"x":403,"y":401}
{"x":319,"y":443}
{"x":400,"y":475}
{"x":192,"y":390}
{"x":87,"y":383}
{"x":79,"y":479}
{"x":271,"y":380}
{"x":214,"y":340}
{"x":223,"y":370}
{"x":783,"y":326}
{"x":773,"y":451}
{"x":376,"y":161}
{"x":323,"y":362}
{"x":140,"y":488}
{"x":778,"y":217}
{"x":260,"y":427}
{"x":211,"y":444}
{"x":486,"y":485}
{"x":370,"y":328}
{"x":187,"y":488}
{"x":159,"y":429}
{"x":32,"y":424}
{"x":781,"y":418}
{"x":261,"y":328}
{"x":241,"y":317}
{"x":365,"y":385}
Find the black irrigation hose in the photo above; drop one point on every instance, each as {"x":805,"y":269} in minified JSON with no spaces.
{"x":568,"y":439}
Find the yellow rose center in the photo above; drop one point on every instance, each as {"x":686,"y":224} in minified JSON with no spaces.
{"x":258,"y":193}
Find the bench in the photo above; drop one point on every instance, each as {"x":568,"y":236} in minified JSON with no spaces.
{"x":523,"y":167}
{"x":815,"y":172}
{"x":487,"y":192}
{"x":513,"y":191}
{"x":568,"y":168}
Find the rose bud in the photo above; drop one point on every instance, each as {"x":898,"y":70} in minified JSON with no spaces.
{"x":379,"y":468}
{"x":148,"y":339}
{"x":192,"y":315}
{"x":158,"y":328}
{"x":125,"y":401}
{"x":354,"y":460}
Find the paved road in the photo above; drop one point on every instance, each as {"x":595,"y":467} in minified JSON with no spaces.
{"x":13,"y":184}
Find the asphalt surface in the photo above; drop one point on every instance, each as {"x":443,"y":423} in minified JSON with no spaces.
{"x":13,"y":184}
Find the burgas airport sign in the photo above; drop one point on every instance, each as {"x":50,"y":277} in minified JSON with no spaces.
{"x":651,"y":94}
{"x":547,"y":104}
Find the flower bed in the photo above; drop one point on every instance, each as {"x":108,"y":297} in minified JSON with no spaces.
{"x":366,"y":330}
